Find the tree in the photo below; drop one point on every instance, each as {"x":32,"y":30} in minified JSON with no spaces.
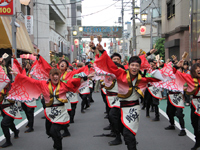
{"x":160,"y":46}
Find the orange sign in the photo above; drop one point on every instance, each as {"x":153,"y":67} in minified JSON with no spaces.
{"x":7,"y":7}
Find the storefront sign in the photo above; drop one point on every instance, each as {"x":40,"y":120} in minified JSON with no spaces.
{"x":7,"y":7}
{"x":29,"y":24}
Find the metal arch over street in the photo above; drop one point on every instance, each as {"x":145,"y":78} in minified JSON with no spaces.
{"x":105,"y":31}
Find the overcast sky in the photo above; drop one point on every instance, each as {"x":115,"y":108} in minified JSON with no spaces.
{"x":107,"y":17}
{"x":103,"y":16}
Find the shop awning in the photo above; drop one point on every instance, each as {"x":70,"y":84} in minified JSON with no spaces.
{"x":23,"y":40}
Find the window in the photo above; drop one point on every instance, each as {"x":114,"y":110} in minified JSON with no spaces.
{"x":170,"y":9}
{"x":79,"y":23}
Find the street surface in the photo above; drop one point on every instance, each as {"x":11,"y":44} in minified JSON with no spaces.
{"x":151,"y":135}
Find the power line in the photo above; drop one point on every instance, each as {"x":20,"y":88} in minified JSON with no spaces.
{"x":59,"y":4}
{"x":96,"y":11}
{"x":78,"y":16}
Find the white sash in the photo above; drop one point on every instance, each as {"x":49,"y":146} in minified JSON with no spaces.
{"x":31,"y":104}
{"x":84,"y":90}
{"x":176,"y":100}
{"x":90,"y":84}
{"x":130,"y":118}
{"x":57,"y":114}
{"x":12,"y":110}
{"x":155,"y":92}
{"x":113,"y":101}
{"x":72,"y":97}
{"x":103,"y":90}
{"x":196,"y":103}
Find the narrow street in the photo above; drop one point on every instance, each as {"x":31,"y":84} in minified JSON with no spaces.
{"x":151,"y":135}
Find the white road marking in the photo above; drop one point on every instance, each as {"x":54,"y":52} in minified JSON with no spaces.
{"x":189,"y":134}
{"x":22,"y":123}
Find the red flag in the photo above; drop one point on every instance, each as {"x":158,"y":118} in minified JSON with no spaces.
{"x":118,"y":42}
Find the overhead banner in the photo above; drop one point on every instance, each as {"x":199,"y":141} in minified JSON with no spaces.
{"x":7,"y":7}
{"x":104,"y":31}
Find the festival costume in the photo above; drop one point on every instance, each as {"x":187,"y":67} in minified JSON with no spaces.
{"x":103,"y":94}
{"x":152,"y":96}
{"x":28,"y":107}
{"x":9,"y":112}
{"x":194,"y":90}
{"x":4,"y":80}
{"x":73,"y":99}
{"x":91,"y":86}
{"x":84,"y":93}
{"x":55,"y":112}
{"x":129,"y":92}
{"x":175,"y":107}
{"x":114,"y":113}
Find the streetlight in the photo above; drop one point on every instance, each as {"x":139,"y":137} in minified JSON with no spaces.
{"x":81,"y":29}
{"x":121,"y":41}
{"x":137,"y":10}
{"x":144,"y":17}
{"x":75,"y":33}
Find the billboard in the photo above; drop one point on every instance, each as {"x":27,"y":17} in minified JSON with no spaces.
{"x":104,"y":31}
{"x":7,"y":7}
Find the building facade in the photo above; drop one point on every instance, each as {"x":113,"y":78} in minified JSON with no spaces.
{"x":195,"y":29}
{"x":52,"y":27}
{"x":175,"y":27}
{"x":76,"y":20}
{"x":152,"y":24}
{"x":24,"y":37}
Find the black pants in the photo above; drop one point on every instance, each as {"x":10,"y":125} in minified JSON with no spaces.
{"x":195,"y":120}
{"x":29,"y":114}
{"x":174,"y":111}
{"x":6,"y":124}
{"x":43,"y":102}
{"x":90,"y":99}
{"x":105,"y":101}
{"x":73,"y":111}
{"x":84,"y":102}
{"x":115,"y":119}
{"x":150,"y":100}
{"x":53,"y":130}
{"x":187,"y":98}
{"x":129,"y":139}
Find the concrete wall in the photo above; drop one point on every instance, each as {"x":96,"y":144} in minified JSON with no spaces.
{"x":184,"y":43}
{"x":181,"y":17}
{"x":41,"y":28}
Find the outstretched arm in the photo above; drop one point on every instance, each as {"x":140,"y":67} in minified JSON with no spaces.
{"x":105,"y":63}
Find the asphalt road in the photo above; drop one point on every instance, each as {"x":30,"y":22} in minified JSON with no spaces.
{"x":151,"y":135}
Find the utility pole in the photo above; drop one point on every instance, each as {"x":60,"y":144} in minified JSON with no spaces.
{"x":151,"y":43}
{"x":123,"y":46}
{"x":71,"y":43}
{"x":14,"y":31}
{"x":191,"y":27}
{"x":133,"y":28}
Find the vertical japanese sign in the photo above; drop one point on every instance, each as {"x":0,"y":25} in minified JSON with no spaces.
{"x":29,"y":24}
{"x":7,"y":7}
